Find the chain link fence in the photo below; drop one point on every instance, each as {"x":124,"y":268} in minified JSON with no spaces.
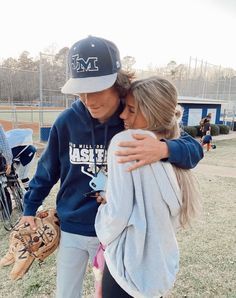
{"x":33,"y":98}
{"x":18,"y":87}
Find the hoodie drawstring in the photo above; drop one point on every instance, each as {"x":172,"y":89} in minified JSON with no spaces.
{"x":94,"y":146}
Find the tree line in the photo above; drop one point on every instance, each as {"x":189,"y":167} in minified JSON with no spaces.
{"x":20,"y":78}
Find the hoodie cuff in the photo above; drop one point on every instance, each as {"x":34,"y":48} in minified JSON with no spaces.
{"x":30,"y":210}
{"x":172,"y":147}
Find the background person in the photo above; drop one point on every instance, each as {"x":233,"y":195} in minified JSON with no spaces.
{"x":146,"y":206}
{"x":5,"y":168}
{"x":209,"y":115}
{"x":5,"y":149}
{"x":206,"y":126}
{"x":76,"y":154}
{"x":207,"y":140}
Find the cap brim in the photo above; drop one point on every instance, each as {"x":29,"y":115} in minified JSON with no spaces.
{"x":88,"y":85}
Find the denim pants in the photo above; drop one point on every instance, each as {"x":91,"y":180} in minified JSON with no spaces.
{"x":73,"y":255}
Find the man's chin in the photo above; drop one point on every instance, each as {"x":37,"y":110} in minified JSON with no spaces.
{"x":95,"y":115}
{"x":98,"y":116}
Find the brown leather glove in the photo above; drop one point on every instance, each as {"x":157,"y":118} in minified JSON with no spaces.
{"x":26,"y":245}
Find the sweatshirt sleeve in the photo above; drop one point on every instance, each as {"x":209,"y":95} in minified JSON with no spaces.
{"x":113,"y":217}
{"x":4,"y":146}
{"x":47,"y":174}
{"x":184,"y":152}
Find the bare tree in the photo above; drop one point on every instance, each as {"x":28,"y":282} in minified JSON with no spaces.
{"x":128,"y":62}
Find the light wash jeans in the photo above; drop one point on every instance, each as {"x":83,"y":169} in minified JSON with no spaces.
{"x":72,"y":259}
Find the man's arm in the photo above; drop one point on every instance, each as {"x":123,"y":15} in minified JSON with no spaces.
{"x":184,"y":152}
{"x":46,"y":176}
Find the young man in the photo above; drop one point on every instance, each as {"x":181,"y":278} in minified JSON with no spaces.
{"x":76,"y":154}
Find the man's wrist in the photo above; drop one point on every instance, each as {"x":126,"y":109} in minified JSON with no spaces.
{"x":164,"y":150}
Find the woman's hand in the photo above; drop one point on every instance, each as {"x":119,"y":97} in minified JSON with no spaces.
{"x":145,"y":149}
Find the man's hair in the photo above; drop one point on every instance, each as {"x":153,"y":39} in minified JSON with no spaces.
{"x":123,"y":82}
{"x":156,"y":98}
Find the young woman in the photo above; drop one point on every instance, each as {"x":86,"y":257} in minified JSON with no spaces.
{"x":145,"y":207}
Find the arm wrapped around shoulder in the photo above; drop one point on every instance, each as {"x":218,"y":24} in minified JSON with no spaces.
{"x":26,"y":245}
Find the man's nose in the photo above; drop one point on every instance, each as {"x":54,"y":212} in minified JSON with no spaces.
{"x":89,"y":100}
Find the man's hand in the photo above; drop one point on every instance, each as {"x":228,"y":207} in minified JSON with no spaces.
{"x":29,"y":220}
{"x":145,"y":149}
{"x":101,"y":198}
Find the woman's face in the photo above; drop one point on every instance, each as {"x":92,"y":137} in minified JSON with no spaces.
{"x":132,"y":117}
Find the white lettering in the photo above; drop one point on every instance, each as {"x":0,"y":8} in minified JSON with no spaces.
{"x":84,"y":154}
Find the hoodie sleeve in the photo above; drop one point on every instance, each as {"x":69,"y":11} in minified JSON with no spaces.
{"x":47,"y":174}
{"x":4,"y":146}
{"x":184,"y":152}
{"x":113,"y":217}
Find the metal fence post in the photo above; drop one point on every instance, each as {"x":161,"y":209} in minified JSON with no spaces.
{"x":40,"y":90}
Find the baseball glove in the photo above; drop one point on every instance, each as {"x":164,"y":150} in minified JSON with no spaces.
{"x":26,"y":245}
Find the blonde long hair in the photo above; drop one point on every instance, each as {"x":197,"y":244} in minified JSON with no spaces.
{"x":156,"y":98}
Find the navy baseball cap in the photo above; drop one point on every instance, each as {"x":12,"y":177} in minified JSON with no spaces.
{"x":93,"y":63}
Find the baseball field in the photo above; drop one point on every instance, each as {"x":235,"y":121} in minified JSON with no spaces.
{"x":208,"y":248}
{"x":28,"y":117}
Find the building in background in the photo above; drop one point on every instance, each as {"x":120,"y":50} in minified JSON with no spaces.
{"x":197,"y":108}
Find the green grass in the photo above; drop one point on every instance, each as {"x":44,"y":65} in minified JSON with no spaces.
{"x":208,"y":249}
{"x":208,"y":258}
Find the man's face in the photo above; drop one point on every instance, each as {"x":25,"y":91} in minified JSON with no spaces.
{"x":101,"y":105}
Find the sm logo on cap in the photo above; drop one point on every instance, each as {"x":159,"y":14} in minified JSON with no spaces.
{"x":81,"y":65}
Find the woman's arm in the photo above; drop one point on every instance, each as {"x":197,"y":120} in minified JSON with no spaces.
{"x":113,"y":217}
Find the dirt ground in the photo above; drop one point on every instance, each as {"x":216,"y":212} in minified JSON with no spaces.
{"x":7,"y":125}
{"x":216,"y":170}
{"x":219,"y":162}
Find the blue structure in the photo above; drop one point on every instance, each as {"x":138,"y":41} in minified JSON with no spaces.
{"x":196,"y":108}
{"x":44,"y":133}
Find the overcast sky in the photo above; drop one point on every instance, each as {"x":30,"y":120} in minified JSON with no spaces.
{"x":153,"y":31}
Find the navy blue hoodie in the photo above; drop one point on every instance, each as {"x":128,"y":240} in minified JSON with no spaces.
{"x":76,"y":143}
{"x":69,"y":156}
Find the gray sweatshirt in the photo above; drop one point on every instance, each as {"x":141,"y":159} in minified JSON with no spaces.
{"x":4,"y":146}
{"x":138,"y":224}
